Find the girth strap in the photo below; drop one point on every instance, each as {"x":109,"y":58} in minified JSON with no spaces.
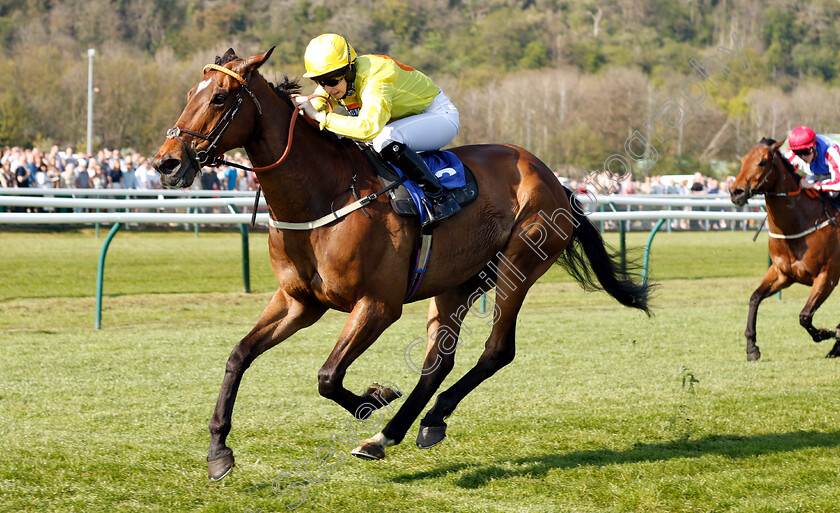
{"x":418,"y":271}
{"x":806,"y":232}
{"x":335,"y":215}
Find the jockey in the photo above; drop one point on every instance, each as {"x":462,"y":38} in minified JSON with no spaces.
{"x":817,"y":156}
{"x":394,"y":108}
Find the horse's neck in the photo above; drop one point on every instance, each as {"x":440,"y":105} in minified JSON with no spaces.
{"x":314,"y":172}
{"x":789,"y":211}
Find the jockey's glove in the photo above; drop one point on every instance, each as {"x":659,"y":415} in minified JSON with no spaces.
{"x":311,"y":112}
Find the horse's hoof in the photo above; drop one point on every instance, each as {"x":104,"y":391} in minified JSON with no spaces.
{"x":218,"y":469}
{"x":382,"y":394}
{"x":369,"y":451}
{"x":430,"y":436}
{"x":754,"y":356}
{"x":832,"y":354}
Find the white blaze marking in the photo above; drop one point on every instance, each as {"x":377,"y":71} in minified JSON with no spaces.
{"x":202,"y":85}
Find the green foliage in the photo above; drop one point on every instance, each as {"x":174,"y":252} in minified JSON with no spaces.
{"x":400,"y":18}
{"x":14,"y":120}
{"x":617,"y":54}
{"x":535,"y":55}
{"x":587,"y":54}
{"x":819,"y":62}
{"x":677,"y":24}
{"x":467,"y":42}
{"x":7,"y":28}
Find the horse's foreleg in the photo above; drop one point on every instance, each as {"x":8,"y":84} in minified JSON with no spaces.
{"x":367,"y":321}
{"x":773,"y":282}
{"x":820,"y":291}
{"x":281,"y":319}
{"x":446,"y":311}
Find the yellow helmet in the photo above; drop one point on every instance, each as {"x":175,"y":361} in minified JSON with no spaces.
{"x":327,"y":53}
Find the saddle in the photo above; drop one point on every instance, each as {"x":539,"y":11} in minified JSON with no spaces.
{"x":406,"y":196}
{"x":402,"y":200}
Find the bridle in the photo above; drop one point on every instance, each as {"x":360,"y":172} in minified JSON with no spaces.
{"x":767,"y":176}
{"x":204,"y":157}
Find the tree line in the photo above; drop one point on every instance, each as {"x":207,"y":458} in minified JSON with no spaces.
{"x":570,"y":80}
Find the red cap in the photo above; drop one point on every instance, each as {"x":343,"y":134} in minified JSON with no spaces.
{"x":801,"y":137}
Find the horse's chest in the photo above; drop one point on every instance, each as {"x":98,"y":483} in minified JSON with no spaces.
{"x":795,"y":268}
{"x":800,"y":271}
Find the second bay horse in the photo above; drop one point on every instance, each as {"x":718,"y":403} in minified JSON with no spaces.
{"x":804,"y":238}
{"x":522,"y":223}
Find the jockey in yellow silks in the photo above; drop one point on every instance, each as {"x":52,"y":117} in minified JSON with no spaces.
{"x":396,"y":109}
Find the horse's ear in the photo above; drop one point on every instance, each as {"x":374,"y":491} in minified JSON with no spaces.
{"x":778,"y":145}
{"x":255,"y":61}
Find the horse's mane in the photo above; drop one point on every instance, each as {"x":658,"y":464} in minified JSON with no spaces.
{"x":290,"y":86}
{"x":230,"y":55}
{"x":284,"y":89}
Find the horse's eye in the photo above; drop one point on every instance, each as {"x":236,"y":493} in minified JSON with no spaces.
{"x":763,"y":163}
{"x":218,"y":99}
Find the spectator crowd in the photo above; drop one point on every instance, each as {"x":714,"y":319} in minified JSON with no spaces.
{"x":113,"y":169}
{"x":603,"y":183}
{"x":108,"y":169}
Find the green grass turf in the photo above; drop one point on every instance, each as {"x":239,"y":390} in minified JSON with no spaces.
{"x":603,"y":410}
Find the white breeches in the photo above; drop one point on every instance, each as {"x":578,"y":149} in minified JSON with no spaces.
{"x":432,"y":129}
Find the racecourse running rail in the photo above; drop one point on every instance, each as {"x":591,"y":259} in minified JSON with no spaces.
{"x":152,"y":200}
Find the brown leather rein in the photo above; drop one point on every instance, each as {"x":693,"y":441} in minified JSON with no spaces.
{"x":217,"y":161}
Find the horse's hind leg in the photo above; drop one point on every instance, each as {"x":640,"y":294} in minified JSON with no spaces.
{"x":820,"y":291}
{"x":835,"y":351}
{"x":281,"y":319}
{"x":773,"y":282}
{"x":521,"y":270}
{"x":446,"y":311}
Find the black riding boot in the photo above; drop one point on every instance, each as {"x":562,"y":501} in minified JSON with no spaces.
{"x":443,"y":205}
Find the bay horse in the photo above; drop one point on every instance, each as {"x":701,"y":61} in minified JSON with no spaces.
{"x":804,"y":237}
{"x":522,"y":222}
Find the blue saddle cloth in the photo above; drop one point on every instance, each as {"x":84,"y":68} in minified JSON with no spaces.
{"x":446,"y":166}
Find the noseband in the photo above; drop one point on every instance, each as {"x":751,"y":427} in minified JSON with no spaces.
{"x":204,"y":157}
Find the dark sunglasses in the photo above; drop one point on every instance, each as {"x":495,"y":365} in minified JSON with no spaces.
{"x":330,"y":82}
{"x":802,"y":153}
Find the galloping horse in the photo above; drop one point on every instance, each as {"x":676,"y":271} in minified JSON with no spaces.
{"x":804,"y":237}
{"x":521,"y":223}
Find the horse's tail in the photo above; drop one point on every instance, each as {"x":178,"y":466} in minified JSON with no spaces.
{"x":602,"y":264}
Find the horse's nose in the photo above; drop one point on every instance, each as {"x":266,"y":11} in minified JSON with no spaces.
{"x":167,"y":166}
{"x":738,"y":196}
